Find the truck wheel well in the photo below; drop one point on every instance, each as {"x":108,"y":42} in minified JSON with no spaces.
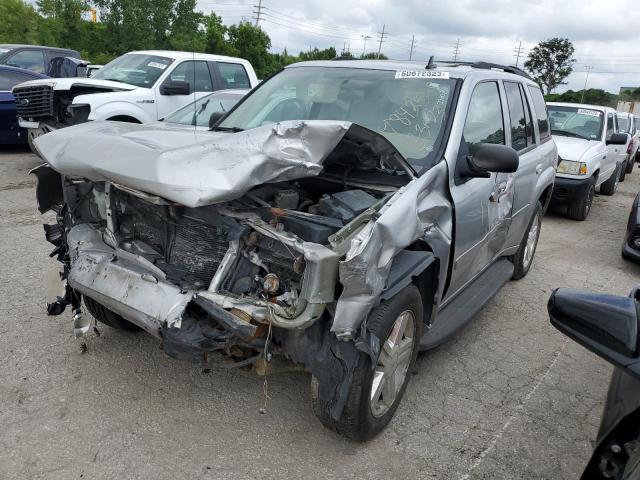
{"x":124,"y":118}
{"x":595,"y":174}
{"x":545,"y":198}
{"x":427,"y":281}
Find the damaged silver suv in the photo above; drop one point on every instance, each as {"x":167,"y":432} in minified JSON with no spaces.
{"x":343,"y":216}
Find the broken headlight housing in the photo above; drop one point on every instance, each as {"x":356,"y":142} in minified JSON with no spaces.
{"x":571,"y":167}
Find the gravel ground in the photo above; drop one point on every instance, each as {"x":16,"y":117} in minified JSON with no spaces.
{"x":508,"y":397}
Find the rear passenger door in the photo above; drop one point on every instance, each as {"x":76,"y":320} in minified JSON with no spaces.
{"x":482,"y":205}
{"x":231,"y":75}
{"x":522,"y":140}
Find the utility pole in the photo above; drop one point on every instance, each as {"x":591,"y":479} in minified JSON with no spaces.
{"x":413,"y":44}
{"x":517,"y":51}
{"x":382,"y":34}
{"x":257,"y":12}
{"x":456,"y":50}
{"x":364,"y":42}
{"x":588,"y":68}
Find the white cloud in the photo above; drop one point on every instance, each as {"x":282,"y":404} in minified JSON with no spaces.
{"x":606,"y":34}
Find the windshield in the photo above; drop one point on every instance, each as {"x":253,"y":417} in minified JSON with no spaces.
{"x":199,"y":113}
{"x":576,"y":122}
{"x":409,"y":112}
{"x":134,"y":69}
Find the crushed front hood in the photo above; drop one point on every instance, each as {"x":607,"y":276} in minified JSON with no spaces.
{"x":67,"y":83}
{"x":196,"y":169}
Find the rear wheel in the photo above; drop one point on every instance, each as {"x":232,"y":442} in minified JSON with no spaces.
{"x":523,"y":259}
{"x":611,"y":185}
{"x":579,"y":210}
{"x":376,"y":390}
{"x":106,"y":316}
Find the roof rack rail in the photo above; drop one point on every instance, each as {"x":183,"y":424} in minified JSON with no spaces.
{"x":489,"y":66}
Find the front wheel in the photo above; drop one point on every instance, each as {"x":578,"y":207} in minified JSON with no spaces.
{"x":623,"y":170}
{"x":630,"y":163}
{"x":523,"y":259}
{"x":611,"y":185}
{"x":579,"y":210}
{"x":376,"y":390}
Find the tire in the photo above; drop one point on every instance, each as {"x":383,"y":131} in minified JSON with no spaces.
{"x":611,"y":185}
{"x":106,"y":316}
{"x":362,"y":417}
{"x":579,"y":210}
{"x":623,"y":170}
{"x":630,"y":162}
{"x":523,"y":259}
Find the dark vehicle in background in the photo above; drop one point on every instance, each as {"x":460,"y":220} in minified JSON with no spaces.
{"x":10,"y":131}
{"x":608,"y":325}
{"x":32,"y":57}
{"x":631,"y":245}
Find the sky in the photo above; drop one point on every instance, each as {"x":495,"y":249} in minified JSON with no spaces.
{"x":606,"y":35}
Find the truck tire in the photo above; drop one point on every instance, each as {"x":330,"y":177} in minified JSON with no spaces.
{"x":611,"y":185}
{"x":579,"y":210}
{"x":399,"y":322}
{"x":630,"y":162}
{"x":106,"y":316}
{"x":623,"y":170}
{"x":523,"y":259}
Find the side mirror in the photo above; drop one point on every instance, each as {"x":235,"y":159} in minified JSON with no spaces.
{"x":617,"y":139}
{"x":488,"y":158}
{"x":215,"y":118}
{"x":175,"y":87}
{"x":608,"y":325}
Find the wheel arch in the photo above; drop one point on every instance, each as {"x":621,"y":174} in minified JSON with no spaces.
{"x":415,"y":265}
{"x":124,"y":118}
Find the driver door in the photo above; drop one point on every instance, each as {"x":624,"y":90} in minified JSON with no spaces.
{"x":482,"y":205}
{"x":199,"y":78}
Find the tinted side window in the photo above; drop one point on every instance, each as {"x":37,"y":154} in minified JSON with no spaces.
{"x":233,"y":75}
{"x":540,"y":112}
{"x":8,"y":80}
{"x":484,"y":123}
{"x":610,"y":126}
{"x":196,"y":74}
{"x":28,"y":59}
{"x":531,"y":138}
{"x":516,"y":115}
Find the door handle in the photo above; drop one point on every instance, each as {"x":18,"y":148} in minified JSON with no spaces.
{"x":499,"y":190}
{"x":538,"y":169}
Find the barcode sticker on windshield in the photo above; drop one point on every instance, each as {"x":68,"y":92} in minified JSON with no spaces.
{"x":421,"y":74}
{"x":593,"y":113}
{"x":161,"y":66}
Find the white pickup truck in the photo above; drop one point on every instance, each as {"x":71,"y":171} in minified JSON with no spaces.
{"x":137,"y":87}
{"x":591,"y":154}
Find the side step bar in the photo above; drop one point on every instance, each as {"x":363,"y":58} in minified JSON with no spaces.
{"x":456,"y":314}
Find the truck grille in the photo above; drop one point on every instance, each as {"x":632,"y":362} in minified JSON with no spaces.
{"x":189,"y":251}
{"x":34,"y":102}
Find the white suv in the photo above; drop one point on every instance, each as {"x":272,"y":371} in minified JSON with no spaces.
{"x":137,"y":87}
{"x":628,"y":123}
{"x":591,"y":154}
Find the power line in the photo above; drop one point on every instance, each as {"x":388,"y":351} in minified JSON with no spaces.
{"x":518,"y":52}
{"x":588,"y":67}
{"x":456,"y":50}
{"x":413,"y":44}
{"x":258,"y":12}
{"x":382,"y":34}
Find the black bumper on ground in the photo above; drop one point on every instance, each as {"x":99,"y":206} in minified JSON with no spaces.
{"x":568,"y":190}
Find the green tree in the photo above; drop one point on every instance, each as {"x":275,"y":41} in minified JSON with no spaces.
{"x":252,"y":43}
{"x":19,"y":22}
{"x":187,"y":29}
{"x":317,"y":54}
{"x":550,"y":62}
{"x":63,"y":21}
{"x":216,"y":36}
{"x":594,"y":96}
{"x":374,"y":56}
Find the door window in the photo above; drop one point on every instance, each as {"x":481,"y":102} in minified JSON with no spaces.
{"x":516,"y":116}
{"x":541,"y":114}
{"x":196,"y":74}
{"x":29,"y":60}
{"x":484,"y":123}
{"x":610,"y":126}
{"x":233,"y":75}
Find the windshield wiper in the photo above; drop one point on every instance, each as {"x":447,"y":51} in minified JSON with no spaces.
{"x":569,"y":134}
{"x":226,"y":129}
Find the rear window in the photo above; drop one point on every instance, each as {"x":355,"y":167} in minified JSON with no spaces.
{"x":540,"y":112}
{"x":233,"y":75}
